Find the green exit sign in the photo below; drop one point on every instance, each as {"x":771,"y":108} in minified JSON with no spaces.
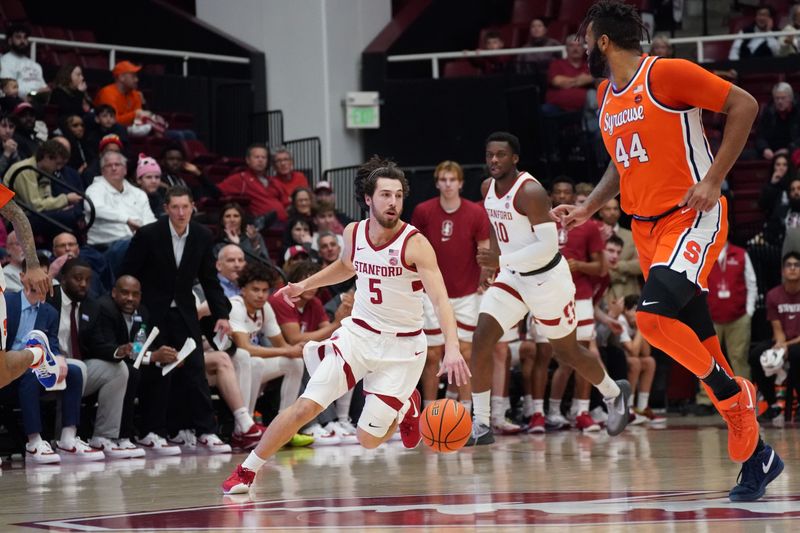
{"x":363,"y":117}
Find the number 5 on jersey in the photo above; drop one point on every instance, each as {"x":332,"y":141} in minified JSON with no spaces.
{"x":636,"y":151}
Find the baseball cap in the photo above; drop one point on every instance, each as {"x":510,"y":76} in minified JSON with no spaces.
{"x":21,"y":107}
{"x":123,"y":67}
{"x":293,"y":251}
{"x":323,"y":185}
{"x":111,"y":138}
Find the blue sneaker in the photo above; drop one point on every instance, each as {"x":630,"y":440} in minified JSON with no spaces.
{"x":47,"y":371}
{"x":756,"y":473}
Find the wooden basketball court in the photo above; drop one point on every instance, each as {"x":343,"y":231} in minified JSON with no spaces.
{"x":675,"y":479}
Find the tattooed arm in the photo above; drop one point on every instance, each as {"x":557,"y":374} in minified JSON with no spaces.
{"x":36,"y":279}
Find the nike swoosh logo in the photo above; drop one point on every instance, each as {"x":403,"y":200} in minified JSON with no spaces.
{"x":645,"y":303}
{"x":416,"y":411}
{"x":360,"y":247}
{"x":685,"y":210}
{"x":374,"y":426}
{"x":749,"y":398}
{"x":417,"y":353}
{"x":765,"y":467}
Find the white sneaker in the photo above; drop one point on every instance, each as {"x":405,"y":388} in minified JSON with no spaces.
{"x":599,"y":415}
{"x":108,"y":447}
{"x":186,"y":439}
{"x":322,"y":437}
{"x":636,"y":419}
{"x":158,"y":445}
{"x":504,"y":426}
{"x":79,"y":450}
{"x":345,"y":429}
{"x":41,"y":453}
{"x":210,"y":443}
{"x":133,"y":450}
{"x":556,"y":421}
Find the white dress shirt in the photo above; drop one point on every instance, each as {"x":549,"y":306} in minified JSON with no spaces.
{"x":178,"y":245}
{"x":63,"y":323}
{"x":114,"y":208}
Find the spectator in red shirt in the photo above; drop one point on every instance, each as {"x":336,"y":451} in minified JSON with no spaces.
{"x":783,"y":313}
{"x":307,"y":321}
{"x":568,"y":80}
{"x":286,"y":178}
{"x":254,"y":184}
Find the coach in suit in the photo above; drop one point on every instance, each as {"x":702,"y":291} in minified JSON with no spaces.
{"x":166,"y":257}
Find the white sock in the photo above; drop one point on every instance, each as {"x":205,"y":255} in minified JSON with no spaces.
{"x":538,"y":406}
{"x":527,"y":405}
{"x":451,"y":395}
{"x":608,"y":387}
{"x":467,"y":406}
{"x":34,"y":439}
{"x":555,"y":407}
{"x":582,"y":406}
{"x":506,"y":403}
{"x":481,"y":408}
{"x":242,"y":419}
{"x":38,"y":355}
{"x":643,"y":400}
{"x":68,"y":435}
{"x":498,"y":413}
{"x":343,"y":405}
{"x":253,"y":462}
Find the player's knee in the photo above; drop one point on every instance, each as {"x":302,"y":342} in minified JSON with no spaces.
{"x":368,"y":441}
{"x":649,"y":324}
{"x":527,"y":350}
{"x":306,"y":409}
{"x":634,"y":364}
{"x":648,"y":363}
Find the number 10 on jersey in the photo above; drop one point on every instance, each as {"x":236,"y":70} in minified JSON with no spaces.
{"x":636,"y":150}
{"x":500,"y":231}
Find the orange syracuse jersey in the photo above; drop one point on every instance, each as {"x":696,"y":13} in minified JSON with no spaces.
{"x":652,"y":129}
{"x":6,"y":195}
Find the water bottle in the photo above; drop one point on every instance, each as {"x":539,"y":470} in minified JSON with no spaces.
{"x":139,"y":340}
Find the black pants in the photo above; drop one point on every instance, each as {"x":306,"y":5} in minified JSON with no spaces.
{"x":151,"y":388}
{"x":766,"y":385}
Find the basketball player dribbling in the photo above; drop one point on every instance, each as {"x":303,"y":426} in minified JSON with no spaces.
{"x":535,"y":278}
{"x":650,"y":117}
{"x":382,"y":341}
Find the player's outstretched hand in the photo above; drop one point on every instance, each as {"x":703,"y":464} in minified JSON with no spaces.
{"x":291,"y":293}
{"x":570,"y":216}
{"x":701,"y":196}
{"x":455,"y":367}
{"x":488,"y":258}
{"x":37,"y":280}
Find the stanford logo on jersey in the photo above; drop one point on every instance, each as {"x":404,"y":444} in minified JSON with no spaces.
{"x":447,"y":230}
{"x":378,"y":270}
{"x":500,"y":215}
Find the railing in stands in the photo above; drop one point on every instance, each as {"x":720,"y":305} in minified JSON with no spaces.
{"x":307,"y":154}
{"x":267,"y":126}
{"x":113,"y":49}
{"x":61,"y":182}
{"x":435,"y":57}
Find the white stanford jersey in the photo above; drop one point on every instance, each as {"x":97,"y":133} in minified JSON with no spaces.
{"x":263,"y":323}
{"x":512,"y":228}
{"x":388,"y":290}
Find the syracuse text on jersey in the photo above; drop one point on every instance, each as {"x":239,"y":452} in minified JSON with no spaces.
{"x":632,"y":114}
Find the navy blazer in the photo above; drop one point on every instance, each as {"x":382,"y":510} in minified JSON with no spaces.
{"x":46,"y":320}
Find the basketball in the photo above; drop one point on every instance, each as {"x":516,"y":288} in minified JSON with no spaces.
{"x":445,"y":425}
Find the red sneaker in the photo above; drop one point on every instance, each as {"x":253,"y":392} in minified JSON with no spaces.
{"x":585,"y":422}
{"x":247,"y":440}
{"x":409,"y":427}
{"x":536,"y":424}
{"x":239,"y":481}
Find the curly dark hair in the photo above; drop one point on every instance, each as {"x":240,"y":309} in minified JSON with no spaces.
{"x":368,"y":174}
{"x":255,"y":271}
{"x":620,"y":21}
{"x":300,"y":271}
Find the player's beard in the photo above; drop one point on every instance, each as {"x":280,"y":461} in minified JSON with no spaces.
{"x":598,"y":66}
{"x":385,"y":222}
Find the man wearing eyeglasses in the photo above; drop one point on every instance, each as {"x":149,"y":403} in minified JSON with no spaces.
{"x":120,"y":209}
{"x":783,"y":313}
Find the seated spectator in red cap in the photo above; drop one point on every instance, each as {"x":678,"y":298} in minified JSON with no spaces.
{"x":294,"y":254}
{"x":254,"y":183}
{"x":286,"y":179}
{"x":17,"y":62}
{"x":123,"y":95}
{"x":29,"y":134}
